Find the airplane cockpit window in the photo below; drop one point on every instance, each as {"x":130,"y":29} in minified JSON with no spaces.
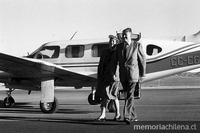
{"x":48,"y":52}
{"x":98,"y":48}
{"x":74,"y":51}
{"x":153,"y":49}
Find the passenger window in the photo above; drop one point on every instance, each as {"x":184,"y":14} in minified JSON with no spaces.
{"x":98,"y":48}
{"x":48,"y":52}
{"x":153,"y":49}
{"x":74,"y":51}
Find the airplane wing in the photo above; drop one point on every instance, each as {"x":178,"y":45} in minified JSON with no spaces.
{"x":34,"y":68}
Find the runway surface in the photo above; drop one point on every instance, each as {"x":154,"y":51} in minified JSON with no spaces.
{"x":157,"y":107}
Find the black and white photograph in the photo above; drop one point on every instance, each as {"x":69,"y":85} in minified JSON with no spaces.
{"x":79,"y":66}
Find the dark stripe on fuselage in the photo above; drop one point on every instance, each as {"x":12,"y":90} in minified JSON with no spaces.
{"x":172,"y":62}
{"x":177,"y":51}
{"x":80,"y":66}
{"x":77,"y":63}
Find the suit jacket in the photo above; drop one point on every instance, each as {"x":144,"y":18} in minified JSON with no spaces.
{"x":133,"y":66}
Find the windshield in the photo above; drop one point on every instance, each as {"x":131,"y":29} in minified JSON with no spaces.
{"x":46,"y":52}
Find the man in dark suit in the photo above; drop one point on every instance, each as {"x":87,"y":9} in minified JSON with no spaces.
{"x":132,"y":68}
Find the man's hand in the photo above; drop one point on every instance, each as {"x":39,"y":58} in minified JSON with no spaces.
{"x":142,"y":78}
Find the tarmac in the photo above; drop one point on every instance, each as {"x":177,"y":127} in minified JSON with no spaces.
{"x":159,"y":109}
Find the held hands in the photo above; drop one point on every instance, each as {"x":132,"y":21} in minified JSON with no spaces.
{"x":142,"y":78}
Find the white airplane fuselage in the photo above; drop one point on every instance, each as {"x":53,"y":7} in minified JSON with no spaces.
{"x":164,"y":58}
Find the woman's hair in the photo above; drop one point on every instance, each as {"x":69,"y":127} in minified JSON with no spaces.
{"x":112,"y":37}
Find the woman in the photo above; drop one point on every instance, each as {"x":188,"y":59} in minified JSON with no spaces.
{"x":108,"y":80}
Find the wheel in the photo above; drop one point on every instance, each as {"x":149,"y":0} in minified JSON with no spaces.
{"x":111,"y":106}
{"x":8,"y":102}
{"x":95,"y":101}
{"x":49,"y":107}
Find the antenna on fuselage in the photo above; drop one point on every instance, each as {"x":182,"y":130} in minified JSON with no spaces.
{"x":73,"y":35}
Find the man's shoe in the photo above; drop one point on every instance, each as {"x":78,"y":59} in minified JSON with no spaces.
{"x":128,"y":121}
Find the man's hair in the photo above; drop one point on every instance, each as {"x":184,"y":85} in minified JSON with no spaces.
{"x":126,"y":30}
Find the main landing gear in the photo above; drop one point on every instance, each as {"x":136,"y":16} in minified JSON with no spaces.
{"x":49,"y":107}
{"x":48,"y":103}
{"x":9,"y":101}
{"x":92,"y":99}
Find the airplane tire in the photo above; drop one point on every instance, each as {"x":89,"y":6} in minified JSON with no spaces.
{"x":93,"y":102}
{"x":49,"y":108}
{"x":9,"y":102}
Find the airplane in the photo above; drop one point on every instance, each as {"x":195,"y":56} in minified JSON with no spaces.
{"x":73,"y":63}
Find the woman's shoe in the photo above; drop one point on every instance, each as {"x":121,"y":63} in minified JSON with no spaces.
{"x":100,"y":119}
{"x":117,"y":118}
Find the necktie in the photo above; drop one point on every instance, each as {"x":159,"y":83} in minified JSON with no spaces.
{"x":125,"y":50}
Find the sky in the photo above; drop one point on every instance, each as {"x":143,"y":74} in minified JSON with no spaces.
{"x":27,"y":24}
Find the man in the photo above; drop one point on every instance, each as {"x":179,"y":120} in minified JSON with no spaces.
{"x":132,"y":68}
